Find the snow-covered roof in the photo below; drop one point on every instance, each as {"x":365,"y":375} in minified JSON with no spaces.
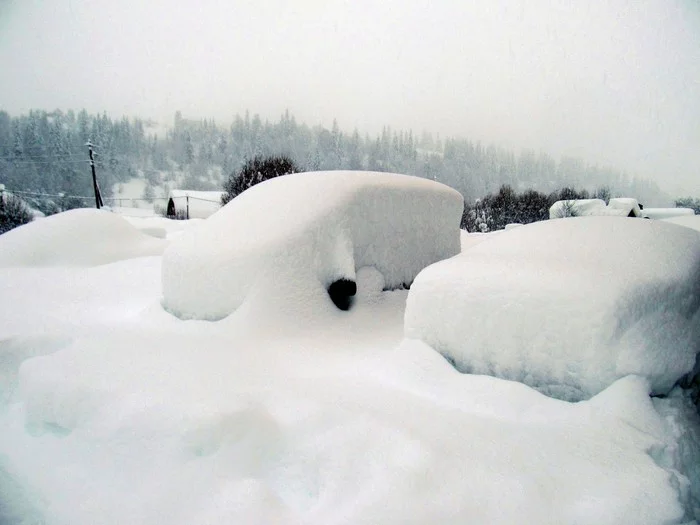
{"x":315,"y":228}
{"x":561,"y":306}
{"x":199,"y":204}
{"x":666,"y":213}
{"x":624,"y":207}
{"x":620,"y":206}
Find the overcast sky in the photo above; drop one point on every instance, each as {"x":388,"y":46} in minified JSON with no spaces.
{"x":613,"y":81}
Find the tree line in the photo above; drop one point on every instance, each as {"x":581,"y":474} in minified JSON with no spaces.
{"x":45,"y":152}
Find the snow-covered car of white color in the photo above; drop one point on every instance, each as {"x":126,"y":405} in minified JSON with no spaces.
{"x":314,"y":228}
{"x":567,"y":306}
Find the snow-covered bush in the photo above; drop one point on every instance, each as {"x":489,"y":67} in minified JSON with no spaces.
{"x":567,"y":306}
{"x":497,"y":210}
{"x":255,"y":171}
{"x":306,"y":231}
{"x":13,"y":212}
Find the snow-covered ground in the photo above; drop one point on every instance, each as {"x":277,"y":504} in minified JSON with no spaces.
{"x":112,"y":410}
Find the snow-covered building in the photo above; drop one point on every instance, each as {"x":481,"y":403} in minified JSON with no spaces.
{"x":191,"y":204}
{"x":667,"y":213}
{"x":624,"y":207}
{"x":620,"y":206}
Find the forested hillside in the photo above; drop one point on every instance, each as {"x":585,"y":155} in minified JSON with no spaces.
{"x":45,"y":153}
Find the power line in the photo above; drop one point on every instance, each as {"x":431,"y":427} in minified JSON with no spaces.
{"x":33,"y":162}
{"x":30,"y":157}
{"x":39,"y":194}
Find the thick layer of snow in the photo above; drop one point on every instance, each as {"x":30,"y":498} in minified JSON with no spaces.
{"x":666,"y":213}
{"x":81,"y":237}
{"x":112,"y":411}
{"x":311,"y":229}
{"x":567,"y":306}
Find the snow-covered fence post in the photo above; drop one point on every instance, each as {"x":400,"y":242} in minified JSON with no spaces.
{"x":187,"y":197}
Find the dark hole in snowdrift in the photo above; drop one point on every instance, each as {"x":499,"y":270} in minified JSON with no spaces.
{"x":342,"y":292}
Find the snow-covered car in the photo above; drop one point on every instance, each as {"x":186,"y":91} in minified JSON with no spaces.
{"x":313,"y":229}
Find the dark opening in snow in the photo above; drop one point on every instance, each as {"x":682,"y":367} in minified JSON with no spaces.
{"x":342,"y":292}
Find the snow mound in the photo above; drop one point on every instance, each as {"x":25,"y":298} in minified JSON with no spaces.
{"x":305,"y":231}
{"x":567,"y":306}
{"x":81,"y":237}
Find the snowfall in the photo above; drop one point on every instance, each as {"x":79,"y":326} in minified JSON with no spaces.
{"x":179,"y":372}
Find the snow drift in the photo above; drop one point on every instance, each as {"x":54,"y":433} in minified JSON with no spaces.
{"x":81,"y":237}
{"x":567,"y":306}
{"x":313,"y":229}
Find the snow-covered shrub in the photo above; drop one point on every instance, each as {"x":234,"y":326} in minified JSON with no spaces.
{"x":497,"y":210}
{"x":256,"y":171}
{"x":567,"y":306}
{"x":688,"y":202}
{"x":306,"y":231}
{"x":13,"y":212}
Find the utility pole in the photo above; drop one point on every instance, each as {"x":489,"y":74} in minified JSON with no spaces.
{"x":95,"y":187}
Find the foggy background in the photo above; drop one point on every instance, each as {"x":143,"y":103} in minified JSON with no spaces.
{"x":615,"y":82}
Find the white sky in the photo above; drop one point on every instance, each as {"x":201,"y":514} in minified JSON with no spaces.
{"x":613,"y":81}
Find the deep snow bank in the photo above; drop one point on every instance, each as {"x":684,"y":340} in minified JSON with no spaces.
{"x":81,"y":237}
{"x":311,"y":229}
{"x":567,"y":306}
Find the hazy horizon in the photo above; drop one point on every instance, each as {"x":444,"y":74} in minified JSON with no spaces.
{"x":615,"y":83}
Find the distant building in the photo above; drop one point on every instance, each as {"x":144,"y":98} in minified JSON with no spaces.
{"x":666,"y":213}
{"x":188,"y":204}
{"x":620,"y":206}
{"x":624,"y":207}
